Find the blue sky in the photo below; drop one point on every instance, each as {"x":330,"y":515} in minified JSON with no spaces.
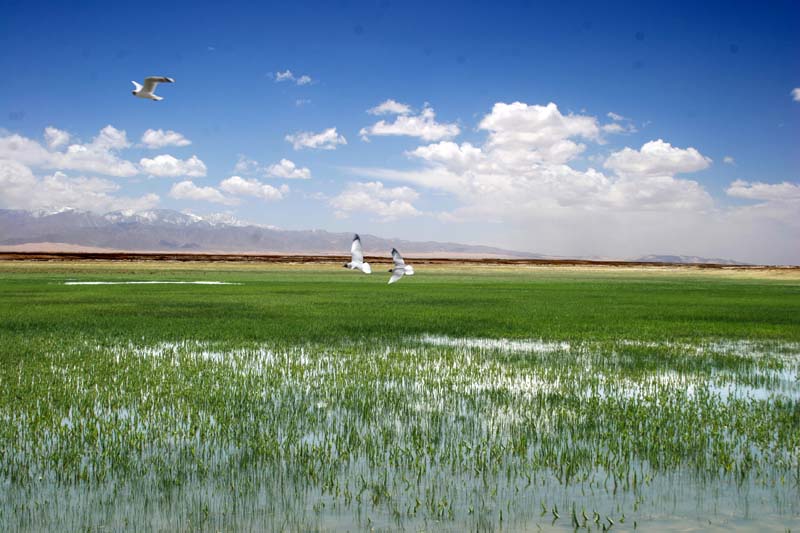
{"x":703,"y":81}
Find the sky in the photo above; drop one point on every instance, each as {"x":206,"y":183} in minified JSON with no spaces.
{"x":613,"y":129}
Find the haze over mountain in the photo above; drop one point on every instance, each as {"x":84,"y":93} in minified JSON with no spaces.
{"x":165,"y":230}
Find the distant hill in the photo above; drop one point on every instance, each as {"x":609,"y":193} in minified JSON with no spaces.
{"x":685,"y":259}
{"x":164,"y":230}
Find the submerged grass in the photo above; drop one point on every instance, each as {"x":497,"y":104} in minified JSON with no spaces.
{"x":316,"y":399}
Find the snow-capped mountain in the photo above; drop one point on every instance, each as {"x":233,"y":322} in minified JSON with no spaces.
{"x":167,"y":230}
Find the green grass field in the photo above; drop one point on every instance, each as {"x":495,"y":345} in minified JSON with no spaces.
{"x":310,"y":397}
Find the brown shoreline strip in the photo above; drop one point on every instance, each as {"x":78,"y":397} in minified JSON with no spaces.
{"x":335,"y":259}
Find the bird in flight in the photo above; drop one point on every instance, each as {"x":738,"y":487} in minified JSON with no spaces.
{"x":400,"y":267}
{"x":148,"y":89}
{"x":357,"y":257}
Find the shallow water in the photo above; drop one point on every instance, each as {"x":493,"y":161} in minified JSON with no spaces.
{"x":430,"y":433}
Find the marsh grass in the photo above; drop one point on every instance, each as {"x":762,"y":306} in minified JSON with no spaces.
{"x":261,"y":406}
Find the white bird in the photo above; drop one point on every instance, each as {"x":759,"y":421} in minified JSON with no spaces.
{"x":357,"y":257}
{"x":400,"y":268}
{"x":148,"y":89}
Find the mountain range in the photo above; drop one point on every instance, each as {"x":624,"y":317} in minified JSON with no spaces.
{"x":164,"y":230}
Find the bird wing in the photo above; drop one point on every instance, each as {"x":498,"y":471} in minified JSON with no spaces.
{"x":151,"y":82}
{"x":137,"y":87}
{"x":397,"y":258}
{"x":397,"y":273}
{"x":356,"y":251}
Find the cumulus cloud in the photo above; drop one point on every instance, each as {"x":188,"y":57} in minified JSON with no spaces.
{"x":289,"y":76}
{"x":615,"y":116}
{"x":390,"y":107}
{"x":524,"y":178}
{"x":21,"y":189}
{"x":325,"y":140}
{"x":458,"y":158}
{"x":657,"y":158}
{"x":524,"y":167}
{"x":728,"y":160}
{"x":187,"y":190}
{"x":55,"y":137}
{"x":372,"y":197}
{"x":239,"y":186}
{"x":288,"y":170}
{"x":542,"y":133}
{"x":423,"y":126}
{"x":768,"y":192}
{"x":167,"y":166}
{"x":160,"y":138}
{"x":100,"y":156}
{"x":245,"y":165}
{"x":796,"y":94}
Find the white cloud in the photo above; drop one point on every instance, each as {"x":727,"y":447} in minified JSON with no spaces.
{"x":98,"y":156}
{"x":728,"y":160}
{"x":621,"y":124}
{"x":769,"y":192}
{"x":796,"y":94}
{"x":657,"y":158}
{"x":111,"y":138}
{"x":539,"y":133}
{"x":423,"y":126}
{"x":658,"y":193}
{"x":284,"y":168}
{"x":20,"y":189}
{"x":523,"y":168}
{"x":289,"y":76}
{"x":288,"y":170}
{"x":613,"y":127}
{"x":160,"y":138}
{"x":187,"y":190}
{"x":451,"y":155}
{"x":239,"y":186}
{"x":373,"y":197}
{"x":245,"y":165}
{"x":167,"y":166}
{"x":325,"y":140}
{"x":519,"y":189}
{"x":616,"y":127}
{"x":390,"y":107}
{"x":55,"y":137}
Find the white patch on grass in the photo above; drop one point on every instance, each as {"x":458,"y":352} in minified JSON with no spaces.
{"x":503,"y":345}
{"x":149,"y":283}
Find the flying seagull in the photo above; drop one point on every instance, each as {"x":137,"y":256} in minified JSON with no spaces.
{"x":400,"y":267}
{"x":357,"y":257}
{"x":148,"y":89}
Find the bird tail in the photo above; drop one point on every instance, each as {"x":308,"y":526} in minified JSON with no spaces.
{"x":136,"y":86}
{"x":365,"y":268}
{"x":156,"y":97}
{"x":409,"y":270}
